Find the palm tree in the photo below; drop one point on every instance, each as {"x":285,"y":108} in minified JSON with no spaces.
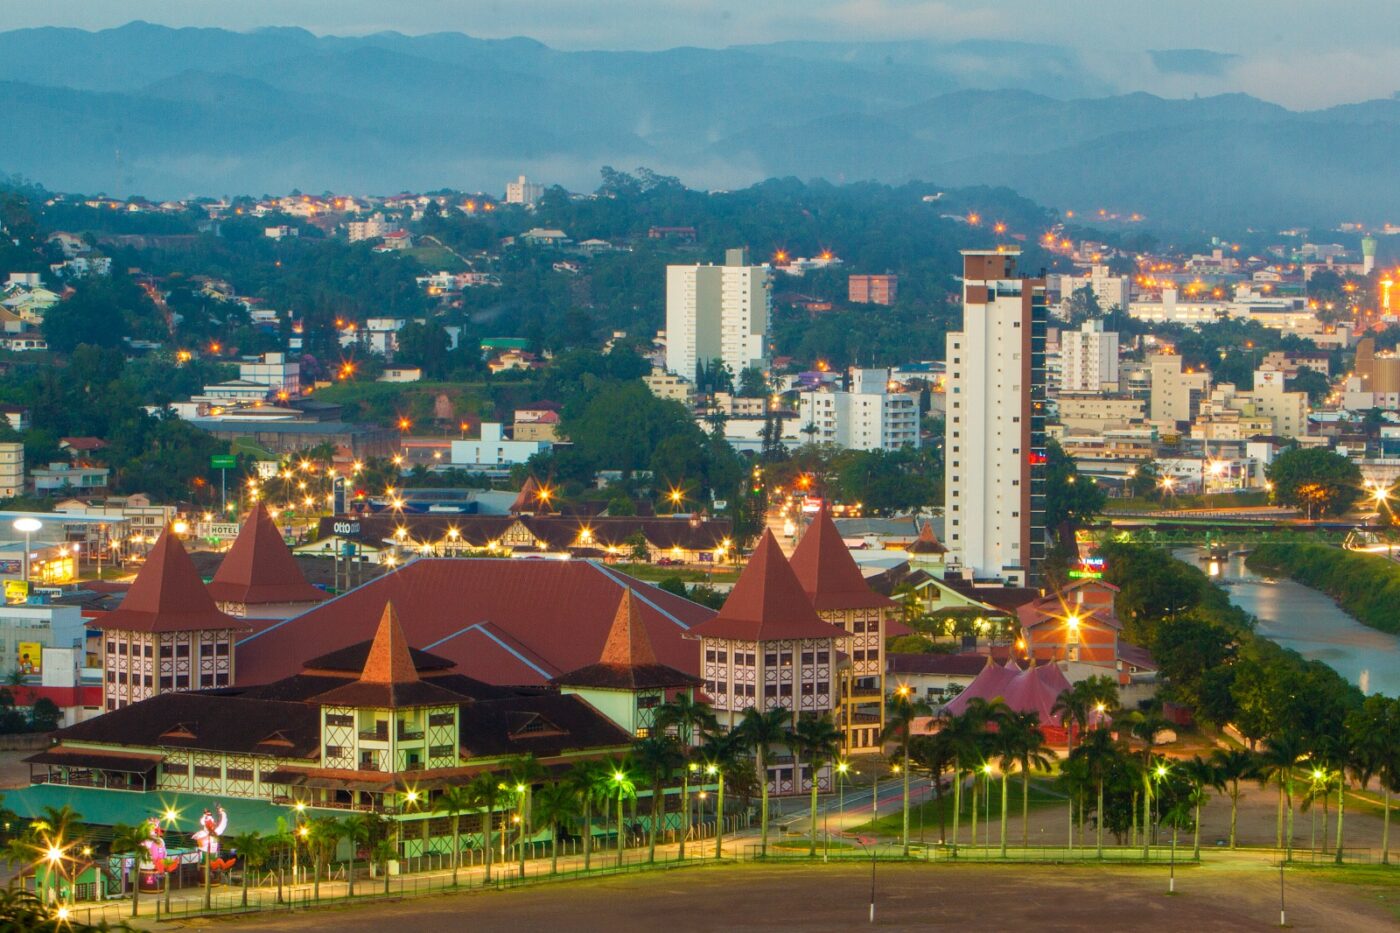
{"x":127,"y":838}
{"x":1072,"y":706}
{"x":525,"y":773}
{"x":1374,"y":734}
{"x":816,"y":740}
{"x":621,"y":784}
{"x":963,"y":734}
{"x":760,"y":732}
{"x":657,"y":757}
{"x":1100,"y":754}
{"x":554,"y":805}
{"x":1201,"y":773}
{"x":364,"y":829}
{"x":1281,"y":755}
{"x":933,"y":755}
{"x":1234,"y":765}
{"x":322,"y":835}
{"x":1347,"y":760}
{"x":56,"y":826}
{"x":1145,"y":726}
{"x":588,"y":782}
{"x":486,"y":794}
{"x":453,"y":801}
{"x":1028,"y":743}
{"x":720,"y":753}
{"x":251,"y":847}
{"x":903,"y":708}
{"x":690,"y":719}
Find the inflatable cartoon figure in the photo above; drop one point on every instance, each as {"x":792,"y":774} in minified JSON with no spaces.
{"x":206,"y":838}
{"x":157,"y":859}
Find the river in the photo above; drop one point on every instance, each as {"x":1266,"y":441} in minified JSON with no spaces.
{"x":1310,"y":623}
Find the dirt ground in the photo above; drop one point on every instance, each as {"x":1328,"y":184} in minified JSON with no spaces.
{"x":814,"y":898}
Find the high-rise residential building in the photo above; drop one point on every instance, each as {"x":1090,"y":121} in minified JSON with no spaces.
{"x":995,"y":444}
{"x":1176,"y":395}
{"x":1089,"y":359}
{"x":1110,"y":290}
{"x":872,"y":289}
{"x":522,"y":191}
{"x":11,"y":469}
{"x":874,"y":414}
{"x":718,"y":313}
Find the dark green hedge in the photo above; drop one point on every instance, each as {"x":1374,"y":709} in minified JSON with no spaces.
{"x":1365,"y":585}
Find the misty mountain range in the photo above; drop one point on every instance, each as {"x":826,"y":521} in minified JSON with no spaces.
{"x":173,"y":112}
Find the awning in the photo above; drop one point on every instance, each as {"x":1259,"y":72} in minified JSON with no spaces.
{"x":133,"y":764}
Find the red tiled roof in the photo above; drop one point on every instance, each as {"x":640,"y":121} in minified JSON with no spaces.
{"x":627,"y":662}
{"x":767,"y":603}
{"x":827,"y":571}
{"x":259,"y":569}
{"x":389,"y":677}
{"x":528,"y":500}
{"x":501,"y":621}
{"x":927,"y":542}
{"x":168,"y":596}
{"x":82,"y":444}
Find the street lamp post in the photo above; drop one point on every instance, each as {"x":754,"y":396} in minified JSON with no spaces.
{"x":28,"y":526}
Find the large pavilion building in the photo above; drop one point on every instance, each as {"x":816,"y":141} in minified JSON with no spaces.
{"x":838,"y":591}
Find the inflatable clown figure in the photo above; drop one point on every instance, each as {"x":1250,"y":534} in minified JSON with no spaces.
{"x":206,"y":838}
{"x":154,"y":845}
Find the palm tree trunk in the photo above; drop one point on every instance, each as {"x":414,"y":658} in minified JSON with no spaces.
{"x":763,"y":789}
{"x":973,"y":823}
{"x":1288,"y":841}
{"x":812,"y":848}
{"x":1098,"y":821}
{"x":1341,"y":812}
{"x":456,"y":852}
{"x":1385,"y":822}
{"x":554,"y":850}
{"x":621,"y":841}
{"x":957,"y":805}
{"x":1196,"y":841}
{"x":1234,"y":810}
{"x":685,"y":806}
{"x":136,"y":884}
{"x":316,"y":880}
{"x":719,"y":818}
{"x":1132,"y":833}
{"x":1003,"y":813}
{"x":1278,"y":830}
{"x":657,"y":811}
{"x":486,"y":837}
{"x":587,"y":834}
{"x":1025,"y":804}
{"x":1146,"y":812}
{"x":245,"y":884}
{"x":906,"y":791}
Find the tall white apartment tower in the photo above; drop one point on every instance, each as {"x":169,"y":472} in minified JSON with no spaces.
{"x":718,"y":313}
{"x":995,"y":444}
{"x":1089,"y":359}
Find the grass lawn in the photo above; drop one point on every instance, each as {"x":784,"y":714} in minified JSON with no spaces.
{"x":1218,"y":500}
{"x":654,"y":573}
{"x":435,"y":259}
{"x":1041,"y":795}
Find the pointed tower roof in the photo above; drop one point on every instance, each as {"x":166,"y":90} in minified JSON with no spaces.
{"x":259,"y":569}
{"x":389,"y":678}
{"x":528,"y":501}
{"x":927,"y":542}
{"x":827,"y":571}
{"x":767,"y":603}
{"x":628,"y":661}
{"x":168,"y":595}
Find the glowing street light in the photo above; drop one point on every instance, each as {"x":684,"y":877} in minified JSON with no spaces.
{"x":28,"y":526}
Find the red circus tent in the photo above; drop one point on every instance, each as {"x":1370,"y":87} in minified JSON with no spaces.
{"x":1033,"y":690}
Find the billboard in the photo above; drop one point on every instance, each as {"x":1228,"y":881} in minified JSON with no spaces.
{"x":16,"y":591}
{"x":30,"y":657}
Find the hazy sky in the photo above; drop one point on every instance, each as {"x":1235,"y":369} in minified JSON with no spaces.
{"x":1302,"y":52}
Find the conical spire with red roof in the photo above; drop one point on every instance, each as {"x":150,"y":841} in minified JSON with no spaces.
{"x":168,"y":595}
{"x":827,"y":571}
{"x":767,"y":603}
{"x":627,"y":661}
{"x":259,"y":569}
{"x":627,"y":642}
{"x":389,"y":678}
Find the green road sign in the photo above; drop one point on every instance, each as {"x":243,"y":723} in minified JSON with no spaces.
{"x":223,"y":462}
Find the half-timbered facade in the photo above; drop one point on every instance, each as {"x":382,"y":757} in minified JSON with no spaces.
{"x":840,"y":595}
{"x":167,"y":635}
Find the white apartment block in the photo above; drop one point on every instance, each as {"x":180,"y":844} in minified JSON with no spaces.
{"x":1176,"y":395}
{"x":718,"y":313}
{"x":275,"y":371}
{"x":11,"y":469}
{"x":522,"y":191}
{"x":1110,"y":291}
{"x":372,"y":229}
{"x":868,"y":416}
{"x":1089,"y":359}
{"x":995,"y":444}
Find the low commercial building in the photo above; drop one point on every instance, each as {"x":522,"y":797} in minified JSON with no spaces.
{"x":493,"y":449}
{"x":1094,"y":413}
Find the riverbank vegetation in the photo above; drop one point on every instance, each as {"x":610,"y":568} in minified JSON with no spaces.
{"x":1367,"y":586}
